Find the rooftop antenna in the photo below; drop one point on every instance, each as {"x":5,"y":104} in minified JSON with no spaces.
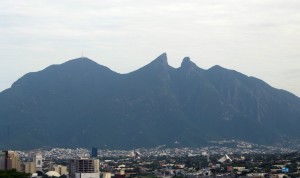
{"x":8,"y":137}
{"x":208,"y":160}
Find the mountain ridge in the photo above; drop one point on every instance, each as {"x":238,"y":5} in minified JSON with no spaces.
{"x":82,"y":103}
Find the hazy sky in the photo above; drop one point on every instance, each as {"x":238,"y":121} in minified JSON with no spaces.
{"x":259,"y":38}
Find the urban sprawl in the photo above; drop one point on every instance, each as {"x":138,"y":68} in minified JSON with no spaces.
{"x":221,"y":159}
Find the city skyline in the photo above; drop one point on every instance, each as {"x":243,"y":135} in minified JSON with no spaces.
{"x":259,"y":39}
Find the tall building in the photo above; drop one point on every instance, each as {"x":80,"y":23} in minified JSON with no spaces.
{"x":84,"y":168}
{"x":38,"y":159}
{"x":9,"y":160}
{"x":2,"y":160}
{"x":94,"y":152}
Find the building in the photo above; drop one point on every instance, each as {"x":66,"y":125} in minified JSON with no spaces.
{"x":13,"y":161}
{"x":84,"y":168}
{"x":94,"y":152}
{"x":33,"y":166}
{"x":62,"y":170}
{"x":38,"y":159}
{"x":2,"y":160}
{"x":52,"y":174}
{"x":106,"y":174}
{"x":29,"y":167}
{"x":9,"y":160}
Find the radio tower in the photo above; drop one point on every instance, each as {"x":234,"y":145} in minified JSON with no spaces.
{"x":8,"y":137}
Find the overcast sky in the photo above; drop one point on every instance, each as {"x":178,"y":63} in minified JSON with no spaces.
{"x":259,"y":38}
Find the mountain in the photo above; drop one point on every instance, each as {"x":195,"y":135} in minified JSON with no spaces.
{"x":83,"y":104}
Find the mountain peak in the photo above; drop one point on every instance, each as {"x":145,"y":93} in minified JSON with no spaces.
{"x":187,"y":64}
{"x":81,"y":60}
{"x":186,"y":61}
{"x":161,"y":60}
{"x":83,"y":64}
{"x":216,"y":67}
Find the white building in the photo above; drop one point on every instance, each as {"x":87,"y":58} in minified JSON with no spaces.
{"x":38,"y":159}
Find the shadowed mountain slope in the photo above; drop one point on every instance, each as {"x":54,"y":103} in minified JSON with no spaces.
{"x":83,"y":104}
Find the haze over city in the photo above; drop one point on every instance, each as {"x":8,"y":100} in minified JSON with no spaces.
{"x":257,"y":38}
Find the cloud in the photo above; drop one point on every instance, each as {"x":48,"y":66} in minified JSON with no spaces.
{"x":253,"y":36}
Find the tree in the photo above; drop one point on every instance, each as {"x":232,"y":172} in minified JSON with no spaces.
{"x":13,"y":174}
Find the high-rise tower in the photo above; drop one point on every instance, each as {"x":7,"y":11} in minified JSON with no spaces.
{"x":38,"y":159}
{"x":84,"y":167}
{"x":9,"y":160}
{"x":94,"y":152}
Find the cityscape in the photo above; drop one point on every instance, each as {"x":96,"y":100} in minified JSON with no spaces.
{"x":150,"y":89}
{"x":227,"y":158}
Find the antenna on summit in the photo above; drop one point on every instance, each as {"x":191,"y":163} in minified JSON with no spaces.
{"x":81,"y":53}
{"x":8,"y":137}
